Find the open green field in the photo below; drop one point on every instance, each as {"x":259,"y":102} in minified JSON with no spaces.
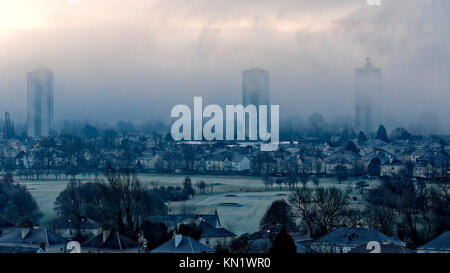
{"x":240,"y":200}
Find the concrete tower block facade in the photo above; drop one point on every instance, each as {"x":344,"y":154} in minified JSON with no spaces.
{"x":40,"y":102}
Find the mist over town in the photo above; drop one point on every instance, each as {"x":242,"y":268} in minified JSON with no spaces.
{"x":143,"y":127}
{"x":134,"y":62}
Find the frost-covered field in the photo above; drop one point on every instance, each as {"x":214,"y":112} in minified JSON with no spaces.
{"x":239,"y":212}
{"x":45,"y":193}
{"x":240,"y":201}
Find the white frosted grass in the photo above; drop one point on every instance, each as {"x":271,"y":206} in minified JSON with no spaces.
{"x":250,"y":197}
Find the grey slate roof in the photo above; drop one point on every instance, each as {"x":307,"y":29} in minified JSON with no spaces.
{"x":114,"y":241}
{"x":34,"y":237}
{"x":388,"y":249}
{"x":238,"y":158}
{"x":442,"y":242}
{"x":209,"y":231}
{"x":299,"y":237}
{"x":84,"y":223}
{"x":269,"y":232}
{"x":301,"y":248}
{"x":173,"y":220}
{"x":22,"y":250}
{"x":355,"y":237}
{"x":5,"y":223}
{"x":187,"y":245}
{"x":394,"y":162}
{"x":219,"y":157}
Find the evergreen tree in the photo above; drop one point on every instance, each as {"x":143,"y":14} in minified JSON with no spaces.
{"x":21,"y":208}
{"x":362,"y":137}
{"x":283,"y":244}
{"x":352,"y":147}
{"x":382,"y":134}
{"x":279,"y":213}
{"x":155,"y":233}
{"x":190,"y":230}
{"x":187,"y":187}
{"x":405,"y":135}
{"x":341,"y":173}
{"x":374,"y":167}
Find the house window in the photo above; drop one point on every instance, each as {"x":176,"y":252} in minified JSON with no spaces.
{"x":207,"y":242}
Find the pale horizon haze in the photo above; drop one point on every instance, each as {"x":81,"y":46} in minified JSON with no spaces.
{"x":134,"y":60}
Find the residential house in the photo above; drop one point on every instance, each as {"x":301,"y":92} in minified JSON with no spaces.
{"x":384,"y":249}
{"x":147,"y":161}
{"x":432,"y":165}
{"x":212,"y":235}
{"x":26,"y":240}
{"x":332,"y":162}
{"x":169,"y":162}
{"x":5,"y":226}
{"x":217,"y":163}
{"x":440,"y":165}
{"x":440,"y":244}
{"x":391,"y":169}
{"x":264,"y":164}
{"x":110,"y":242}
{"x":385,"y":157}
{"x":199,"y":164}
{"x":423,"y":169}
{"x":343,"y":240}
{"x":311,"y":165}
{"x":372,"y":145}
{"x":261,"y":241}
{"x":411,"y":154}
{"x":71,"y":227}
{"x":302,"y":242}
{"x":240,"y":163}
{"x":182,"y":244}
{"x":286,"y":162}
{"x":171,"y":221}
{"x":9,"y":157}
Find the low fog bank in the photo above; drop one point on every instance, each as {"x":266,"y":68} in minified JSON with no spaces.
{"x":135,"y":64}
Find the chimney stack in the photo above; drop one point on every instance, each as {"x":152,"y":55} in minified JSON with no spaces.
{"x":25,"y":231}
{"x":178,"y":239}
{"x":106,"y":233}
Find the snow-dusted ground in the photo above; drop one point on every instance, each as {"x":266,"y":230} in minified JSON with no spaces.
{"x":240,"y":200}
{"x":238,"y":211}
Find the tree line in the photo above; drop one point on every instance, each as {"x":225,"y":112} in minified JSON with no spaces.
{"x":414,"y":212}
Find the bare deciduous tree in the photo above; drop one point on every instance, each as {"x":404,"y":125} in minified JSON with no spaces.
{"x":320,"y":209}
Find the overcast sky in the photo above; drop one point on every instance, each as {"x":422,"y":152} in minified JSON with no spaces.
{"x":134,"y":60}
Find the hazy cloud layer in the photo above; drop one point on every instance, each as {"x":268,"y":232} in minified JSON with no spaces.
{"x":134,"y":60}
